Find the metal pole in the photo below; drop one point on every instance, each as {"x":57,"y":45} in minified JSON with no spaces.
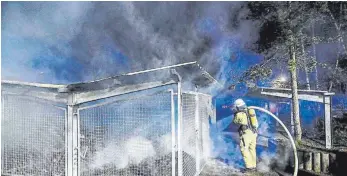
{"x":69,"y":143}
{"x":55,"y":86}
{"x":209,"y":76}
{"x":72,"y":137}
{"x":197,"y":134}
{"x":173,"y":134}
{"x":179,"y":133}
{"x":77,"y":139}
{"x":67,"y":148}
{"x":160,"y":68}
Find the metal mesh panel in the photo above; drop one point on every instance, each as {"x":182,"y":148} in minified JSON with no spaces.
{"x":32,"y":137}
{"x":205,"y":112}
{"x":131,"y":137}
{"x":188,"y":134}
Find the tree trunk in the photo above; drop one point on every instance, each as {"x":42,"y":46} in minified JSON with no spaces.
{"x":295,"y":98}
{"x":339,"y":33}
{"x":315,"y":56}
{"x":308,"y":87}
{"x":340,"y":40}
{"x":331,"y":81}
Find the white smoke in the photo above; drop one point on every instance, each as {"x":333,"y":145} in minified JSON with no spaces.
{"x":165,"y":144}
{"x":266,"y":159}
{"x":133,"y":151}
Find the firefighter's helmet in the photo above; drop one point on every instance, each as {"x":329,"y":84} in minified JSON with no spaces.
{"x":239,"y":103}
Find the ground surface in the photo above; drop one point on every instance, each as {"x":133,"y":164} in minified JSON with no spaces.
{"x":216,"y":168}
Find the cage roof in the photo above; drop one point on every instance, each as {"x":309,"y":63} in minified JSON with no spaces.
{"x":186,"y":72}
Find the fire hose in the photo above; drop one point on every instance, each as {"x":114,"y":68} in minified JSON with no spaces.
{"x":289,"y":135}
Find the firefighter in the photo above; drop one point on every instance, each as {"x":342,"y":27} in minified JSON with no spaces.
{"x":247,"y":120}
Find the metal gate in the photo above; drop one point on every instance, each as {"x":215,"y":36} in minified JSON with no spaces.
{"x":206,"y":114}
{"x":194,"y":144}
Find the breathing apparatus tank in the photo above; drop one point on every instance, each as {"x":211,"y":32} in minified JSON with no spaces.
{"x":249,"y":115}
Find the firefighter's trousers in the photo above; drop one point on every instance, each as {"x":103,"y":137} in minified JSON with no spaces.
{"x":248,"y":142}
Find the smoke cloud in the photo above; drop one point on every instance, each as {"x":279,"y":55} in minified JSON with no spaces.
{"x":63,"y":42}
{"x":133,"y":151}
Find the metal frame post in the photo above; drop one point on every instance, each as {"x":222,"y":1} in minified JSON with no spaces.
{"x":77,"y":138}
{"x":179,"y":122}
{"x":2,"y":116}
{"x":72,"y":137}
{"x":327,"y":121}
{"x":197,"y":134}
{"x":69,"y":136}
{"x":173,"y":134}
{"x":179,"y":133}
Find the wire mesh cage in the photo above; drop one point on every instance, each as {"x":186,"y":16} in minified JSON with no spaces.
{"x":131,"y":136}
{"x":116,"y":126}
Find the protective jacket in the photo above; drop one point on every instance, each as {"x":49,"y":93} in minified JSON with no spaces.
{"x":248,"y":135}
{"x":247,"y":119}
